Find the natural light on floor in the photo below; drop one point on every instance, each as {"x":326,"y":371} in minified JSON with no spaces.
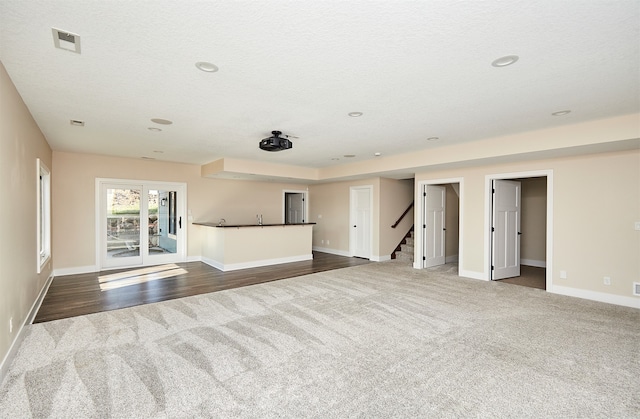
{"x":139,"y":276}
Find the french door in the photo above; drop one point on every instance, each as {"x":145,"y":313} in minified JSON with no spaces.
{"x":140,"y":223}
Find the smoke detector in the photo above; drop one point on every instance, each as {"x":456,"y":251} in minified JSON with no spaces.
{"x":66,"y":40}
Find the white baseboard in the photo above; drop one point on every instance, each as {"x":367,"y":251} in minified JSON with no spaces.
{"x":194,"y":259}
{"x":535,"y":263}
{"x":331,"y":251}
{"x":76,"y":270}
{"x":602,"y":297}
{"x":255,"y":263}
{"x":15,"y":345}
{"x":213,"y":263}
{"x":451,"y":259}
{"x":380,"y":258}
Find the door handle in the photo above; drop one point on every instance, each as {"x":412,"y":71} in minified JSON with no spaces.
{"x":354,"y":226}
{"x":180,"y":222}
{"x":519,"y":233}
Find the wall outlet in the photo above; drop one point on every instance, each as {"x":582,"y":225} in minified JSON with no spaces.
{"x":11,"y":325}
{"x":321,"y":241}
{"x":319,"y":215}
{"x":327,"y":241}
{"x":563,"y":274}
{"x":606,"y":280}
{"x":637,"y":225}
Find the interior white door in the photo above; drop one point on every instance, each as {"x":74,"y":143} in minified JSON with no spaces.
{"x":294,"y":208}
{"x":434,"y":225}
{"x":360,"y":236}
{"x":505,"y":242}
{"x":141,"y":224}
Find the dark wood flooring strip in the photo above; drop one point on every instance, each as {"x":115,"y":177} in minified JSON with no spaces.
{"x":76,"y":295}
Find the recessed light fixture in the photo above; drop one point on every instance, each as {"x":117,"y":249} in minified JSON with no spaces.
{"x":355,"y":114}
{"x":505,"y":61}
{"x":161,"y":121}
{"x":147,"y":158}
{"x":76,"y":123}
{"x":158,"y":151}
{"x":433,"y":138}
{"x":154,"y":129}
{"x":206,"y":67}
{"x":335,"y":158}
{"x":560,"y":113}
{"x":349,"y":155}
{"x":377,"y":154}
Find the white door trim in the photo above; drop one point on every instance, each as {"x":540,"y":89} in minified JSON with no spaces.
{"x":419,"y":219}
{"x":306,"y":203}
{"x":487,"y":220}
{"x":181,"y":210}
{"x":352,"y":218}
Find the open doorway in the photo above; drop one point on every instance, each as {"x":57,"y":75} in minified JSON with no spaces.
{"x":439,"y":223}
{"x":295,"y":207}
{"x":519,"y":228}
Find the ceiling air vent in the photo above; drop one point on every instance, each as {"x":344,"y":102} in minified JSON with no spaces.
{"x":66,"y":40}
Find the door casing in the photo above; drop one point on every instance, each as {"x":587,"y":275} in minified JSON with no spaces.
{"x":354,"y":243}
{"x":488,"y":218}
{"x":179,"y":256}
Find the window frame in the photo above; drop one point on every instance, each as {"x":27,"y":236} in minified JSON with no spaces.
{"x":43,"y":222}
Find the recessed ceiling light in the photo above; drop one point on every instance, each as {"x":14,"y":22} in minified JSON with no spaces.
{"x":355,"y":114}
{"x":505,"y":61}
{"x":76,"y":123}
{"x":377,"y":154}
{"x":161,"y":121}
{"x":560,"y":113}
{"x":158,"y":151}
{"x":349,"y":155}
{"x":207,"y":67}
{"x":154,"y":129}
{"x":335,"y":158}
{"x":433,"y":138}
{"x":147,"y":158}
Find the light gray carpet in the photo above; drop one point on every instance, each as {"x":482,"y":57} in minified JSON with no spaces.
{"x":378,"y":340}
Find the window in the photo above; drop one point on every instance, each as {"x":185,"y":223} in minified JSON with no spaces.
{"x":44,"y":215}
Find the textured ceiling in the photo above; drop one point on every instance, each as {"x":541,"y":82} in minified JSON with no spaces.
{"x":415,"y":69}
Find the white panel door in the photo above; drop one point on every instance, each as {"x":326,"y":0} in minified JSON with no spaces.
{"x":294,"y":208}
{"x":360,"y":237}
{"x":505,"y":246}
{"x":434,"y":225}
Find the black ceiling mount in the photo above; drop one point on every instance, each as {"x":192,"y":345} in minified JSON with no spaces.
{"x":275,"y":143}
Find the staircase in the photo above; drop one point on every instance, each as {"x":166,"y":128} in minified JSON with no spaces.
{"x":404,"y":251}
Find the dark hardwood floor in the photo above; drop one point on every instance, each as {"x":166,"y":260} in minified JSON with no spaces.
{"x":75,"y":295}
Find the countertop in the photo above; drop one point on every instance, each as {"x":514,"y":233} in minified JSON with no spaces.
{"x":250,"y":225}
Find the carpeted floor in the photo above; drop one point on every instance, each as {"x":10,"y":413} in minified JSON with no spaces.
{"x":378,"y":340}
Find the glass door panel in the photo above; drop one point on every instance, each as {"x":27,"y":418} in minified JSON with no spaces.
{"x":123,"y":224}
{"x":141,"y":224}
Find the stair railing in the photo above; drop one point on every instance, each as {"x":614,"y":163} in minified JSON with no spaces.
{"x":403,"y":214}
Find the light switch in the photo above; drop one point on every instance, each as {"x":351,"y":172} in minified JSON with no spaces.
{"x":637,"y":224}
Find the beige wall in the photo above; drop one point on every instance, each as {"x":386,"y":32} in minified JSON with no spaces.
{"x":533,"y":244}
{"x":208,"y":199}
{"x":596,"y":199}
{"x":329,"y":208}
{"x":21,"y":143}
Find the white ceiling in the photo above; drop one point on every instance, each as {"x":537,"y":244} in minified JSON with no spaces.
{"x":416,"y":69}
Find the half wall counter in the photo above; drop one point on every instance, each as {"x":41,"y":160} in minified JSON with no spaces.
{"x":233,"y":247}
